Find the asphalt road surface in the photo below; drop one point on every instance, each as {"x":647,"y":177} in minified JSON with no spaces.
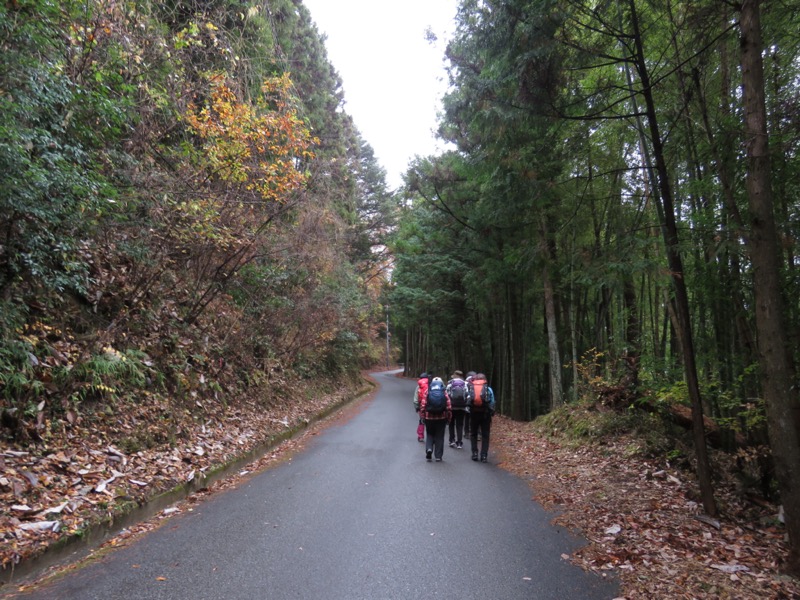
{"x":359,"y":514}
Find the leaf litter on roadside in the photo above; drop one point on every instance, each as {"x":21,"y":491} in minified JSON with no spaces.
{"x":58,"y":489}
{"x":643,"y":524}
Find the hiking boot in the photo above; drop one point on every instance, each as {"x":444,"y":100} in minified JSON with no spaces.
{"x":475,"y":456}
{"x":483,"y":458}
{"x":420,"y":439}
{"x":452,"y":444}
{"x":438,"y":460}
{"x":459,"y":445}
{"x":428,"y":454}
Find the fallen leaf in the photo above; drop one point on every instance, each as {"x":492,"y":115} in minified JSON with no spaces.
{"x":41,"y":526}
{"x":729,"y":568}
{"x":56,"y":509}
{"x":31,"y":477}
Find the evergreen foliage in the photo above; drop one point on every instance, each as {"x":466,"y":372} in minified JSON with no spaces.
{"x":179,"y":186}
{"x":597,"y":193}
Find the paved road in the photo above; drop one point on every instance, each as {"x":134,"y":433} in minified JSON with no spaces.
{"x":360,"y":514}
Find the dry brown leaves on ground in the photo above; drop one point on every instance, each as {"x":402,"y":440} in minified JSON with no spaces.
{"x":52,"y":491}
{"x":642,"y":525}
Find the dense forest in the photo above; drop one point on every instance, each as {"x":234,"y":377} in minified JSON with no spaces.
{"x":193,"y":225}
{"x":190,"y":232}
{"x":617,"y":220}
{"x":182,"y":196}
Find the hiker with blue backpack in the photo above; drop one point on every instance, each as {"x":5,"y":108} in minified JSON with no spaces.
{"x":436,"y":411}
{"x":480,"y":404}
{"x":456,"y":390}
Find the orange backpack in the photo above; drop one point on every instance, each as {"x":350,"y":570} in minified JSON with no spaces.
{"x":478,"y":394}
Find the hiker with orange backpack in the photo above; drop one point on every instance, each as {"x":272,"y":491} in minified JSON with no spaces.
{"x":436,"y":411}
{"x":480,"y":405}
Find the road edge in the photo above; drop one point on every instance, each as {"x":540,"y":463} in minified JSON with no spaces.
{"x":75,"y":547}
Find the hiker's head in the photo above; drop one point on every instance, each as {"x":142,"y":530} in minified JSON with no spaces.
{"x":458,"y":374}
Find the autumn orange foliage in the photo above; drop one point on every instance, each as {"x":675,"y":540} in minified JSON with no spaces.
{"x":261,"y":146}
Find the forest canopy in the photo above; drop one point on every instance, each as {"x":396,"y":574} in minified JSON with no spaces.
{"x":179,"y":186}
{"x":617,"y":220}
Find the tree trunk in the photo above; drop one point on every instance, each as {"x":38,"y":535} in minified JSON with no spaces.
{"x":777,"y":370}
{"x":632,"y":353}
{"x":671,"y":240}
{"x":556,"y":394}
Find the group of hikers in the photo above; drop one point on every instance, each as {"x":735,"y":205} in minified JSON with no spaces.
{"x":466,"y":404}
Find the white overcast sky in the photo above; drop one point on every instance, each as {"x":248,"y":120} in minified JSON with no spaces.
{"x":393,"y":78}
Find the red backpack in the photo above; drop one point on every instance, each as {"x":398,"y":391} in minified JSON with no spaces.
{"x":422,"y":391}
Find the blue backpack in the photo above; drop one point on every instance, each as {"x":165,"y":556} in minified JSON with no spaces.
{"x":437,"y":401}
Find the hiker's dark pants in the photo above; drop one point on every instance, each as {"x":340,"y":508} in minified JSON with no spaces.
{"x":457,"y":426}
{"x":435,"y":439}
{"x":466,"y":423}
{"x":480,"y":422}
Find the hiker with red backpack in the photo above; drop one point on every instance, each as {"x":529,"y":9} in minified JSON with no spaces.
{"x":480,"y":404}
{"x":456,"y":391}
{"x":422,"y":390}
{"x":436,"y":411}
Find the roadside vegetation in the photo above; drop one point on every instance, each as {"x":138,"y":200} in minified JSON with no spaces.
{"x":616,"y":217}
